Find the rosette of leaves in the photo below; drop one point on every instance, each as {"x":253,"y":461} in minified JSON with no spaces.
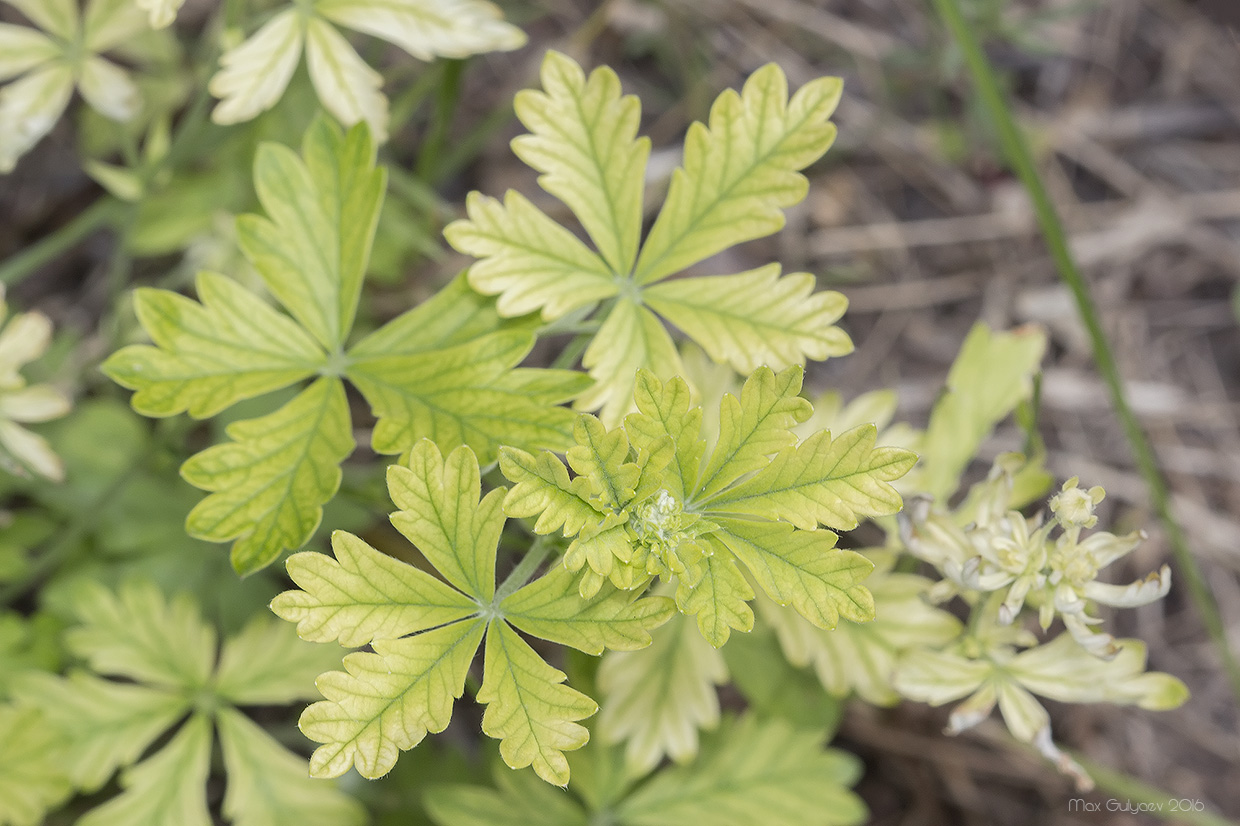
{"x":645,"y":500}
{"x":441,"y":370}
{"x":750,"y":771}
{"x":254,"y":74}
{"x":149,"y":665}
{"x":64,"y":54}
{"x":424,"y":631}
{"x":738,"y":174}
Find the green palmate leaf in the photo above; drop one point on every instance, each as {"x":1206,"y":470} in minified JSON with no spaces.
{"x":107,"y":724}
{"x":528,"y":260}
{"x":323,"y":209}
{"x":741,"y":171}
{"x":755,"y":317}
{"x":363,"y":595}
{"x":802,"y":568}
{"x":270,"y":483}
{"x":832,"y":482}
{"x":720,"y":600}
{"x":268,"y":785}
{"x":135,"y":633}
{"x":32,"y":777}
{"x":266,"y":664}
{"x":665,"y":412}
{"x":167,"y":788}
{"x":529,"y":709}
{"x":630,"y":338}
{"x":210,"y":355}
{"x":754,"y":427}
{"x":584,"y":141}
{"x":388,"y":700}
{"x":551,"y":608}
{"x":738,"y":174}
{"x":518,"y":799}
{"x":862,"y":658}
{"x":655,"y":700}
{"x":774,"y":688}
{"x":752,"y":772}
{"x":600,"y":459}
{"x":992,"y":374}
{"x":543,"y":489}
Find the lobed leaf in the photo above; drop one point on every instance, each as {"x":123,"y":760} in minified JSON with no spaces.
{"x":665,"y":411}
{"x":428,"y":29}
{"x":32,"y":777}
{"x":210,"y":355}
{"x":265,"y":664}
{"x":631,"y":337}
{"x":543,"y":489}
{"x":720,"y":600}
{"x":270,"y":483}
{"x":519,"y":799}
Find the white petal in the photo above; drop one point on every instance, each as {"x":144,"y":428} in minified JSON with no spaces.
{"x":348,"y":88}
{"x":109,"y":89}
{"x":22,"y":48}
{"x":29,"y":108}
{"x":428,"y":28}
{"x":30,"y":451}
{"x":973,"y":710}
{"x":1142,"y":592}
{"x":1024,"y":715}
{"x":58,"y":17}
{"x":24,"y":339}
{"x":162,"y":12}
{"x":935,"y":677}
{"x":109,"y":23}
{"x":254,"y":75}
{"x":33,"y":404}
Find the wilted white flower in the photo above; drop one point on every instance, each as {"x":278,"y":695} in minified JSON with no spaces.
{"x":22,"y":340}
{"x":254,"y":74}
{"x":49,"y":64}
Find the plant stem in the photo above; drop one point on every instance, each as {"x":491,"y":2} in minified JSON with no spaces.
{"x":429,"y":167}
{"x":101,"y":213}
{"x":525,"y":569}
{"x":1017,"y":150}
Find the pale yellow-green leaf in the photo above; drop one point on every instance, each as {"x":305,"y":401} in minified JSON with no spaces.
{"x":57,"y":17}
{"x":363,"y":595}
{"x":832,"y":482}
{"x":266,"y":664}
{"x":121,"y":183}
{"x":938,"y":677}
{"x":802,"y":569}
{"x":655,"y":700}
{"x":600,"y":457}
{"x":109,"y":89}
{"x":990,"y":376}
{"x":106,"y":725}
{"x":441,"y":515}
{"x":386,"y":702}
{"x":32,"y":776}
{"x":323,"y":209}
{"x":1062,"y":670}
{"x":271,"y":481}
{"x":30,"y":107}
{"x":211,"y":353}
{"x":166,"y":789}
{"x":550,"y":607}
{"x":752,"y":772}
{"x":268,"y":785}
{"x":22,"y":48}
{"x":664,"y":410}
{"x":583,"y":139}
{"x":253,"y":76}
{"x":527,"y":259}
{"x":135,"y":633}
{"x":108,"y":24}
{"x":631,"y":337}
{"x":755,"y":318}
{"x":428,"y":28}
{"x":542,"y":488}
{"x":741,"y":171}
{"x":347,"y":87}
{"x":720,"y":600}
{"x":162,"y":12}
{"x":519,"y":799}
{"x":529,"y":709}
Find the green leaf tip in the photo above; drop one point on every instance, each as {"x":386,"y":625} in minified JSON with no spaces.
{"x":424,"y":631}
{"x":740,"y":171}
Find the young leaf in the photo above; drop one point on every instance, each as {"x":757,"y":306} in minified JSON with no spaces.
{"x":268,"y":785}
{"x":388,"y":700}
{"x":752,"y":772}
{"x":323,"y":207}
{"x":832,"y":482}
{"x":270,"y":483}
{"x":210,"y":355}
{"x":738,"y":175}
{"x":655,"y":700}
{"x":32,"y":777}
{"x":166,"y":789}
{"x":529,"y":709}
{"x":720,"y":600}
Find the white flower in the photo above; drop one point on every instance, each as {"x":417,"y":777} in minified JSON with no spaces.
{"x":254,"y":74}
{"x":46,"y":66}
{"x":23,"y":340}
